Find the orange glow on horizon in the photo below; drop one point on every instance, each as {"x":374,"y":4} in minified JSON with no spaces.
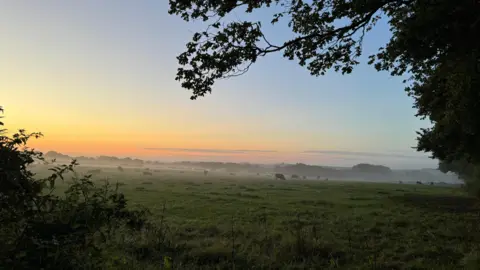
{"x":124,"y":149}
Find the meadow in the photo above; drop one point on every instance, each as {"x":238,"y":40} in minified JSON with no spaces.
{"x":250,"y":221}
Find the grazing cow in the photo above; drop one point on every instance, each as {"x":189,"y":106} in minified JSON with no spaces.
{"x":147,"y":173}
{"x":294,"y":176}
{"x":280,"y":176}
{"x":419,"y":183}
{"x":431,"y":183}
{"x":400,"y":182}
{"x":205,"y":172}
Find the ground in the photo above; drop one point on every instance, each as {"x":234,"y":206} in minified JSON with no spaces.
{"x":245,"y":221}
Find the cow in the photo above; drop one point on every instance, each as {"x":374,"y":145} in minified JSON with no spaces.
{"x":147,"y":173}
{"x":419,"y":183}
{"x":205,"y":172}
{"x":280,"y":176}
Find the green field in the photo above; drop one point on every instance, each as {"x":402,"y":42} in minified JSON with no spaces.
{"x":223,"y":221}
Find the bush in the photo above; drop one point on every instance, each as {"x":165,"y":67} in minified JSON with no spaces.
{"x":39,"y":230}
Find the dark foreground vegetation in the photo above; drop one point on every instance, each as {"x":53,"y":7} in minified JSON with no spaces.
{"x":67,"y":218}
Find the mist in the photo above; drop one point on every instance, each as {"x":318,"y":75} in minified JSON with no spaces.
{"x":341,"y":165}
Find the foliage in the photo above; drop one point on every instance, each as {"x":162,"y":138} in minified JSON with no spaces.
{"x":433,"y":42}
{"x":466,"y":171}
{"x":40,"y":230}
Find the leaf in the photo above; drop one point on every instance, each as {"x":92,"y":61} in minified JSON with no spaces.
{"x":167,"y":262}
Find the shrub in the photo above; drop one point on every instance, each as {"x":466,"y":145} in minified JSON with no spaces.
{"x":39,"y":230}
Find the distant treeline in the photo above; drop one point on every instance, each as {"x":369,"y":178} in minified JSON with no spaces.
{"x":369,"y":168}
{"x":100,"y":159}
{"x":314,"y":170}
{"x":227,"y":166}
{"x":360,"y":171}
{"x":363,"y":171}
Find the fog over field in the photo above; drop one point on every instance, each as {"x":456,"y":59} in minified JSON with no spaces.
{"x":394,"y":159}
{"x":362,"y":171}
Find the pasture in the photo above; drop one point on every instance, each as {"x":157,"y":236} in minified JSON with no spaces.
{"x":249,"y":221}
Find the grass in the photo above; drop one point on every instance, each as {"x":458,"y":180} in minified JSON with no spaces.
{"x":222,"y":221}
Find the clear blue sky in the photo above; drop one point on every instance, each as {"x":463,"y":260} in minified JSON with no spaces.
{"x":98,"y":76}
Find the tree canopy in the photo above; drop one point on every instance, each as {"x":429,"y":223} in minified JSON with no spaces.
{"x":434,"y":44}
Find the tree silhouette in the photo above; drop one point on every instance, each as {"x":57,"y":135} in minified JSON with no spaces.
{"x":434,"y":43}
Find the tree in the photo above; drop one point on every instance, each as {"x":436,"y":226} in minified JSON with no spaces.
{"x":466,"y":171}
{"x":434,"y":43}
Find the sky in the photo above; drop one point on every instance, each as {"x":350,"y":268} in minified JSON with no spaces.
{"x":97,"y":77}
